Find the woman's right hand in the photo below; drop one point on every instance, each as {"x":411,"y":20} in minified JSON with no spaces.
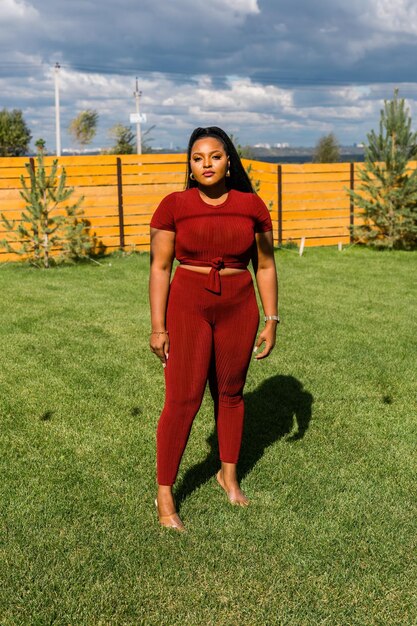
{"x":159,"y":344}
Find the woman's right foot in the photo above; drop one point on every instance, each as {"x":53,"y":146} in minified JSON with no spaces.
{"x":167,"y":514}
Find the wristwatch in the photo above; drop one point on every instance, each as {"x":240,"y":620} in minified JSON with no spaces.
{"x":272,"y":317}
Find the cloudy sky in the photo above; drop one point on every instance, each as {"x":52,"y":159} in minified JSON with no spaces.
{"x":267,"y":71}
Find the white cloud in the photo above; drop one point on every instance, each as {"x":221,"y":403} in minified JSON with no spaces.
{"x":216,"y":9}
{"x":225,"y":61}
{"x":327,"y":30}
{"x":254,"y":112}
{"x":350,"y":93}
{"x":16,"y":10}
{"x":239,"y":94}
{"x":240,"y":6}
{"x":399,"y":16}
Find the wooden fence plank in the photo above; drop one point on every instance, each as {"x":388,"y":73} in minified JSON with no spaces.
{"x":153,"y":158}
{"x":292,"y":168}
{"x":259,"y":166}
{"x":317,"y":178}
{"x":13,"y":162}
{"x":154,"y":168}
{"x":154,"y":179}
{"x":292,"y":203}
{"x":315,"y":232}
{"x":341,"y":213}
{"x":305,"y":224}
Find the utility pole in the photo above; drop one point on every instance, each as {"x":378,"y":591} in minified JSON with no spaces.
{"x":137,"y":95}
{"x":57,"y":116}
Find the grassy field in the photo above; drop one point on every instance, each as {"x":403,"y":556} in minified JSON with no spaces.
{"x":328,"y":459}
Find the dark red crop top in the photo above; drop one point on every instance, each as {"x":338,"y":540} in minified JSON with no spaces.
{"x":218,"y":236}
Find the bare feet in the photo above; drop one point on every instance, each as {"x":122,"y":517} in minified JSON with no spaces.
{"x":232,"y":489}
{"x":165,"y":506}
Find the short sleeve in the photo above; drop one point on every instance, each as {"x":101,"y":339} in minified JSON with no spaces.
{"x":263,"y":221}
{"x":163,"y":218}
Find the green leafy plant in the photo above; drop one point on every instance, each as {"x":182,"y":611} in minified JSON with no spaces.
{"x":40,"y":145}
{"x":125,"y":140}
{"x":84,"y":127}
{"x":256,"y":184}
{"x":387,"y":194}
{"x":15,"y":135}
{"x":47,"y":223}
{"x":327,"y":150}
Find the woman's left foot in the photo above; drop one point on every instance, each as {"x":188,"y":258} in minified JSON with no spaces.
{"x":170,"y":521}
{"x":234,"y":492}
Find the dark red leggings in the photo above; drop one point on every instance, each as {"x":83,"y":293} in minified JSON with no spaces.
{"x":211,"y":338}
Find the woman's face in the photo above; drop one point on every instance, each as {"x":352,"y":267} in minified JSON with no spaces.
{"x":209,"y":161}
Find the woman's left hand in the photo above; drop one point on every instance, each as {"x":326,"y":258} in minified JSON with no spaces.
{"x":267,"y":335}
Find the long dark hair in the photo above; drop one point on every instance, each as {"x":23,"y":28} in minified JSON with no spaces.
{"x":238,"y":178}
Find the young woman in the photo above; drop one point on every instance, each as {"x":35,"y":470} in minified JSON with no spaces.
{"x":204,"y":322}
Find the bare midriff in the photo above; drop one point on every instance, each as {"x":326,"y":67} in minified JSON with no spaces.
{"x":206,"y":270}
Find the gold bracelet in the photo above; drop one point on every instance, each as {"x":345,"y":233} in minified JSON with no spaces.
{"x":159,"y":332}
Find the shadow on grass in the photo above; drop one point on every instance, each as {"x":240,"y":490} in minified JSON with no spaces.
{"x":279,"y":407}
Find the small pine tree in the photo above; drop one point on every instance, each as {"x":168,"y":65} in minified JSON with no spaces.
{"x":256,"y":184}
{"x":244,"y":152}
{"x":40,"y":145}
{"x":387,"y":194}
{"x":327,"y":150}
{"x":76,"y":242}
{"x":124,"y":138}
{"x":46,"y":224}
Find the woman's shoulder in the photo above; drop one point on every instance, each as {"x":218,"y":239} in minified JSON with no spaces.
{"x":249,"y":197}
{"x":177,"y":196}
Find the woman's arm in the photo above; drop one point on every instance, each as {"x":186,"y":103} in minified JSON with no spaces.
{"x":267,"y":281}
{"x":162,"y":257}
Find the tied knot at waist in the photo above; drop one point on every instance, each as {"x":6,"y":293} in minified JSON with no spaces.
{"x":213,"y":279}
{"x":217,"y":263}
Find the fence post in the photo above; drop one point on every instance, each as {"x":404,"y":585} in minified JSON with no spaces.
{"x":120,"y":202}
{"x":32,"y":164}
{"x":279,"y":205}
{"x":351,"y":204}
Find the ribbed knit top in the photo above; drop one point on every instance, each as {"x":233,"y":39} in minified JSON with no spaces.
{"x":204,"y":232}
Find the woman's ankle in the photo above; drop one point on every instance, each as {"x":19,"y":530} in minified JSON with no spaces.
{"x":229,"y":473}
{"x":164,"y":490}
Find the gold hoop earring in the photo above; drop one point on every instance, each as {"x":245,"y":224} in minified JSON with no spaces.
{"x":192,"y":176}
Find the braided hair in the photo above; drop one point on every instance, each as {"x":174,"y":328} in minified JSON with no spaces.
{"x":238,"y":178}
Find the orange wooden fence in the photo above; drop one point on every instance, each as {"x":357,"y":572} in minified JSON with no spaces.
{"x":121,"y":193}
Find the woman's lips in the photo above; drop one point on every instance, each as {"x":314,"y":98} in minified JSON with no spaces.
{"x":208,"y":174}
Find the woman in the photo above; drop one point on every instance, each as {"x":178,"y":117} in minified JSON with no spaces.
{"x":204,"y":322}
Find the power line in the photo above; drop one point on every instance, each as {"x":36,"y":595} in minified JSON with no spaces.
{"x":282,"y":78}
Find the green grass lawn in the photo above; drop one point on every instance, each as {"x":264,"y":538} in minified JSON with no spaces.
{"x":328,"y":458}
